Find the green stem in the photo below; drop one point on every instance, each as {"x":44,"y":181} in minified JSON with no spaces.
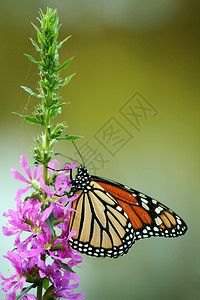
{"x":45,"y":177}
{"x":57,"y":221}
{"x":47,"y":142}
{"x":45,"y":174}
{"x":39,"y":291}
{"x":48,"y":109}
{"x":40,"y":286}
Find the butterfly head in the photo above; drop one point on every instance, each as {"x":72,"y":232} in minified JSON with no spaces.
{"x":82,"y":180}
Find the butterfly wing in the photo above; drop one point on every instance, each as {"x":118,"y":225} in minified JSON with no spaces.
{"x":148,"y":216}
{"x":102,"y":226}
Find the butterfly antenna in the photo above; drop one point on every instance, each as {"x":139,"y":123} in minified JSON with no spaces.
{"x":78,"y":152}
{"x":73,"y":160}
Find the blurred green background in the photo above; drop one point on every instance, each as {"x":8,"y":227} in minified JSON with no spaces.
{"x":121,"y":47}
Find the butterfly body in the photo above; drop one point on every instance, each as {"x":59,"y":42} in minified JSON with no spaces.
{"x":110,"y":217}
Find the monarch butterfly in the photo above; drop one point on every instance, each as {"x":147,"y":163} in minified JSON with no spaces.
{"x":109,"y":217}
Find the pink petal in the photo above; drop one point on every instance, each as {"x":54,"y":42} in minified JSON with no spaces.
{"x":8,"y":231}
{"x":11,"y":296}
{"x":31,"y":253}
{"x":72,"y":233}
{"x":45,"y":214}
{"x":20,"y":192}
{"x":77,"y":296}
{"x":2,"y":277}
{"x":71,"y":276}
{"x":65,"y":199}
{"x":17,"y":240}
{"x":75,"y":258}
{"x":9,"y":283}
{"x":41,"y":264}
{"x":42,"y":274}
{"x":72,"y":166}
{"x":36,"y":171}
{"x":19,"y":176}
{"x":62,"y":184}
{"x":45,"y":187}
{"x":23,"y":246}
{"x":24,"y":165}
{"x":21,"y":282}
{"x":6,"y":215}
{"x":57,"y":257}
{"x":52,"y":164}
{"x":60,"y":179}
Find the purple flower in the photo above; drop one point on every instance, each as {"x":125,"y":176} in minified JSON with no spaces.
{"x":24,"y":165}
{"x":40,"y":239}
{"x":60,"y":279}
{"x":18,"y":279}
{"x":62,"y":184}
{"x":29,"y":297}
{"x":65,"y":167}
{"x":48,"y":270}
{"x":31,"y":217}
{"x":62,"y":288}
{"x":32,"y":180}
{"x":28,"y":218}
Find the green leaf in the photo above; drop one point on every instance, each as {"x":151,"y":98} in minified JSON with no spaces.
{"x":44,"y":84}
{"x":52,"y":143}
{"x":52,"y":50}
{"x":64,"y":65}
{"x":29,"y":119}
{"x":40,"y":63}
{"x":48,"y":294}
{"x":40,"y":38}
{"x":49,"y":222}
{"x":56,"y":109}
{"x":28,"y":90}
{"x":67,"y":80}
{"x":61,"y":43}
{"x":58,"y":106}
{"x":35,"y":45}
{"x":39,"y":34}
{"x":65,"y":266}
{"x":58,"y":130}
{"x":36,"y":28}
{"x":41,"y":15}
{"x":25,"y":291}
{"x":45,"y":283}
{"x":31,"y":58}
{"x":70,"y":137}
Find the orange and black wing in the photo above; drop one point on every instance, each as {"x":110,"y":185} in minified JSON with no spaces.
{"x":103,"y":229}
{"x":147,"y":216}
{"x":109,"y":217}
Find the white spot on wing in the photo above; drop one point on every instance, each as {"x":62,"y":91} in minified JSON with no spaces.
{"x":125,"y":215}
{"x":158,"y":221}
{"x":119,"y":208}
{"x":144,"y":200}
{"x":142,"y":195}
{"x":158,"y":209}
{"x":127,"y":187}
{"x":145,"y":206}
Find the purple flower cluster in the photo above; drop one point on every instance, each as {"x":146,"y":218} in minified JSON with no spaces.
{"x":41,"y":224}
